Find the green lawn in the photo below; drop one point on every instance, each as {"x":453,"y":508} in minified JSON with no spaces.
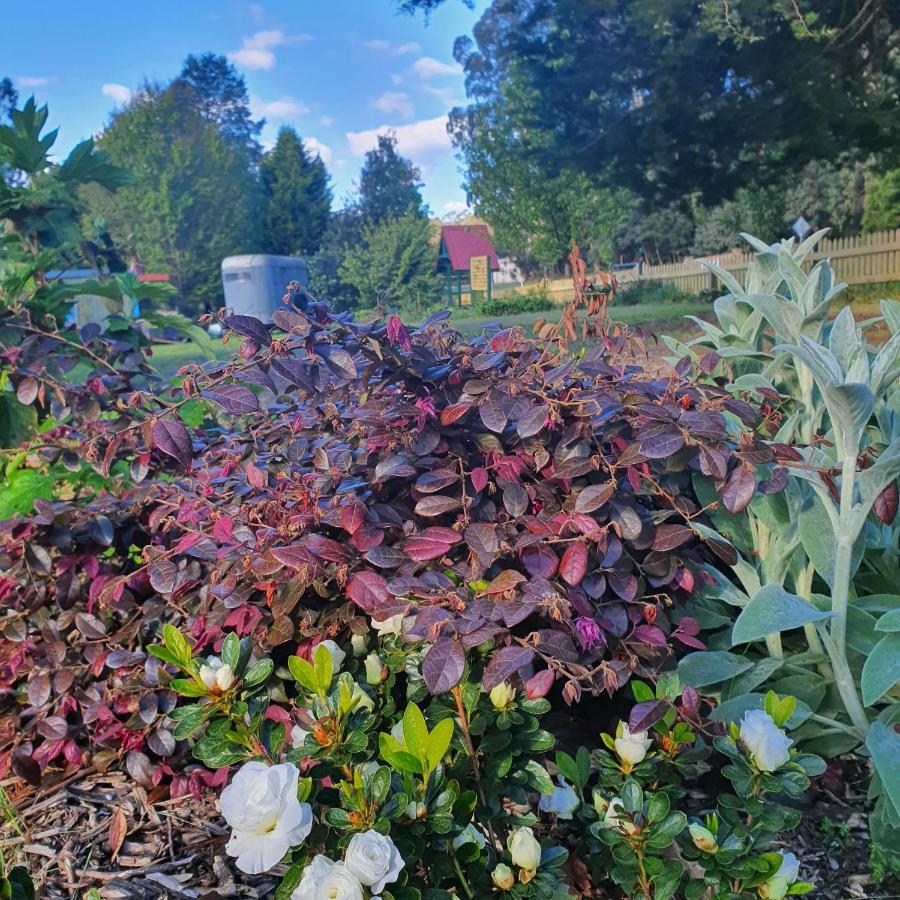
{"x":658,"y":315}
{"x":168,"y":358}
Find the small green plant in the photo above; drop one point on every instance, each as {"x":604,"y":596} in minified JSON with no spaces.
{"x":835,"y":833}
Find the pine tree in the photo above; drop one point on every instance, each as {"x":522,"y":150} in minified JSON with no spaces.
{"x":296,"y":197}
{"x":389,"y":184}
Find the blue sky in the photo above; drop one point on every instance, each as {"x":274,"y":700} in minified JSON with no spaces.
{"x":336,"y":70}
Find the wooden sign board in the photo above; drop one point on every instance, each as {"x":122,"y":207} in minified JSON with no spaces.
{"x":479,"y":272}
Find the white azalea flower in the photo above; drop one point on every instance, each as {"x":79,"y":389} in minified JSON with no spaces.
{"x":216,"y":675}
{"x":337,"y":655}
{"x":373,"y":859}
{"x":766,"y":743}
{"x":562,"y":802}
{"x":524,"y":849}
{"x":265,"y":816}
{"x":359,"y":643}
{"x":391,"y":625}
{"x":324,"y":879}
{"x":777,"y":887}
{"x":632,"y":748}
{"x":374,"y":669}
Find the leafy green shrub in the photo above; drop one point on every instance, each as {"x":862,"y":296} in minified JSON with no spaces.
{"x":821,"y":555}
{"x":534,"y":300}
{"x":404,"y":797}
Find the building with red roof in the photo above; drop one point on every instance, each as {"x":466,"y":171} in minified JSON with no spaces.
{"x":459,"y":246}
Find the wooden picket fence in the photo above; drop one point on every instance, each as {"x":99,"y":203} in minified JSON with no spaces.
{"x":868,"y":259}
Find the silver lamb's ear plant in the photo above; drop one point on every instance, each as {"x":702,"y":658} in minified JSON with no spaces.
{"x":821,"y":531}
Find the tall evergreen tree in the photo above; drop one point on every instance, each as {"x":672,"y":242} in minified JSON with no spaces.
{"x":296,"y":197}
{"x":220,"y":94}
{"x":389,"y":184}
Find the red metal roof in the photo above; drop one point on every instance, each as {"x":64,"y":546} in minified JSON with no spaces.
{"x":153,"y":277}
{"x":462,"y":242}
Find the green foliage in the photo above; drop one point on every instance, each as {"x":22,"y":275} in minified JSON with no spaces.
{"x":882,"y":201}
{"x":296,"y":197}
{"x":815,"y":556}
{"x":193,"y":200}
{"x":534,"y":300}
{"x":389,"y":184}
{"x":220,"y":95}
{"x":394,"y":264}
{"x":537,"y":212}
{"x":564,"y":72}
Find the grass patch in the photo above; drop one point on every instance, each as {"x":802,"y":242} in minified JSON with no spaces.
{"x":167,"y":359}
{"x":656,"y":314}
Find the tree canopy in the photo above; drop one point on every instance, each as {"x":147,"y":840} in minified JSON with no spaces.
{"x":220,"y":95}
{"x":389,"y":184}
{"x":670,"y":100}
{"x":296,"y":197}
{"x":193,"y":199}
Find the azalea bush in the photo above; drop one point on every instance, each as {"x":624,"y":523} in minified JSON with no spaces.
{"x":361,"y":791}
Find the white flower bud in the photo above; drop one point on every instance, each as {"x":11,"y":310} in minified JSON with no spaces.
{"x":503,"y":877}
{"x":502,"y":695}
{"x":632,"y":748}
{"x":766,"y":743}
{"x":359,"y":643}
{"x":374,"y":669}
{"x":524,"y":849}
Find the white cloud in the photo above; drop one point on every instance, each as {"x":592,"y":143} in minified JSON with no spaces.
{"x":428,"y":67}
{"x":118,"y":92}
{"x":256,"y":51}
{"x":326,"y":121}
{"x":419,"y":140}
{"x":396,"y":78}
{"x":316,"y":147}
{"x":32,"y":81}
{"x":453,"y":208}
{"x":394,"y":49}
{"x":285,"y":107}
{"x":445,"y":95}
{"x":394,"y":102}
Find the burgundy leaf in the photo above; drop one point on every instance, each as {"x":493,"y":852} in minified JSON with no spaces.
{"x":594,"y":496}
{"x":574,"y":563}
{"x":436,"y":505}
{"x":492,"y":413}
{"x":172,"y":438}
{"x":661,"y":445}
{"x":668,"y":537}
{"x":644,"y":716}
{"x":163,"y":575}
{"x":233,"y":398}
{"x":649,"y":634}
{"x":532,"y":421}
{"x":739,"y":489}
{"x":250,"y":327}
{"x":539,"y":685}
{"x":367,"y":590}
{"x":885,"y":505}
{"x":505,"y":663}
{"x":443,"y":665}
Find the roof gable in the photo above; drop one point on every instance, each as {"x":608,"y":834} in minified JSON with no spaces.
{"x":461,"y":242}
